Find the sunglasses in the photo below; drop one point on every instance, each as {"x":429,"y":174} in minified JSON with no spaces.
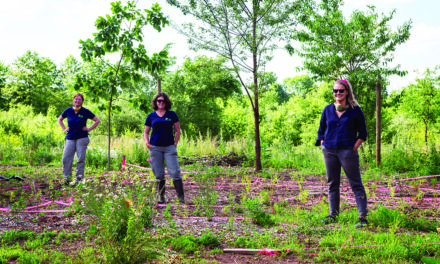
{"x":161,"y":101}
{"x":338,"y":91}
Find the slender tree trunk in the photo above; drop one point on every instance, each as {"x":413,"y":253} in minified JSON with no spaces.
{"x":426,"y":133}
{"x":256,"y":109}
{"x":258,"y":166}
{"x":159,"y":85}
{"x":109,"y":130}
{"x":378,"y":120}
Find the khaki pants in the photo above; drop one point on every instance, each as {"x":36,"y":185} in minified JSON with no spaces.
{"x":70,"y":147}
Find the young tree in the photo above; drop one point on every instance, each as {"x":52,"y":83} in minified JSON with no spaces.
{"x":121,"y":34}
{"x":245,"y":32}
{"x":359,"y":49}
{"x":422,"y":100}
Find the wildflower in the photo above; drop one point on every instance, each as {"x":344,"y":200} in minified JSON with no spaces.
{"x":149,"y":160}
{"x":128,"y":203}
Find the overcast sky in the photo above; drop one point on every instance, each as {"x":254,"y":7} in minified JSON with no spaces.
{"x":52,"y":28}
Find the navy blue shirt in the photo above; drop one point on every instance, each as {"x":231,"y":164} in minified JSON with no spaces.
{"x":341,"y":132}
{"x":76,"y":122}
{"x":162,"y":134}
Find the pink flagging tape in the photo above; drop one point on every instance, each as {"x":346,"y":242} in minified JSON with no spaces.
{"x":137,"y":166}
{"x":418,"y":188}
{"x":192,"y":205}
{"x":415,"y":178}
{"x":273,"y":252}
{"x":19,"y":187}
{"x":145,"y":168}
{"x":123,"y":163}
{"x":38,"y":206}
{"x":213,"y":218}
{"x":43,"y":211}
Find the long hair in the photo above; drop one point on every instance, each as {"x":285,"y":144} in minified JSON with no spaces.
{"x":350,"y":96}
{"x":166,"y":98}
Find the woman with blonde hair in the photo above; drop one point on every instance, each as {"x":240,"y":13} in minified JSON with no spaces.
{"x":341,"y":132}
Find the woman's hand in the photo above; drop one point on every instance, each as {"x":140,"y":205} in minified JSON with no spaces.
{"x":86,"y":129}
{"x":66,"y":129}
{"x":357,"y":144}
{"x":149,"y":146}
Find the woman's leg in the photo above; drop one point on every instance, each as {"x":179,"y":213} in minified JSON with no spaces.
{"x":350,"y":163}
{"x":172,"y":162}
{"x":68,"y":154}
{"x":157,"y":165}
{"x":174,"y":171}
{"x":333,"y":170}
{"x":81,"y":149}
{"x":157,"y":162}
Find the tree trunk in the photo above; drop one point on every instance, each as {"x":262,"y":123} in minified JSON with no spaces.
{"x":159,"y":85}
{"x":378,"y":120}
{"x":258,"y":166}
{"x":109,"y":130}
{"x":256,"y":109}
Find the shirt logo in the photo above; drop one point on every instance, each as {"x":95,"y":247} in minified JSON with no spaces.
{"x":167,"y":119}
{"x":80,"y":116}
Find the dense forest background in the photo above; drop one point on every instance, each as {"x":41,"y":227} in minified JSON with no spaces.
{"x":214,"y":108}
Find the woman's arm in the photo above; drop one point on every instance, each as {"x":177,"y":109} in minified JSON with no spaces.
{"x":177,"y":137}
{"x":95,"y":124}
{"x":357,"y":144}
{"x":146,"y":136}
{"x":60,"y":121}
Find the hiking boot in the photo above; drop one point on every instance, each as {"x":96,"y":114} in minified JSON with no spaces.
{"x":66,"y":183}
{"x":329,"y":219}
{"x":178,"y":185}
{"x":77,"y":181}
{"x":362,"y":222}
{"x":160,"y":186}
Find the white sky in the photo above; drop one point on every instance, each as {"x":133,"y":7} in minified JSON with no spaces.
{"x":52,"y":28}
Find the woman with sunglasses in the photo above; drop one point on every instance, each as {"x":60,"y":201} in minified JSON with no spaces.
{"x":341,"y":132}
{"x":162,"y":145}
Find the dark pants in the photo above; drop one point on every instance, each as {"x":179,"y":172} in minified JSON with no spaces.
{"x":348,"y":159}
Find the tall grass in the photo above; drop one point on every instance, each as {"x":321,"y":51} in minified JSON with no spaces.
{"x":33,"y":139}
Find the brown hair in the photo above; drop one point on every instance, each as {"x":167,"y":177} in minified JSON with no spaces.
{"x":350,"y":96}
{"x":79,"y":94}
{"x":168,"y":103}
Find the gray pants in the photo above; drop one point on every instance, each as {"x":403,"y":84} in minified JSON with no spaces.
{"x":349,"y":160}
{"x":70,"y":147}
{"x":167,"y":154}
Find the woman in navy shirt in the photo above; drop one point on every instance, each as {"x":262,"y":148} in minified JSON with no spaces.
{"x":162,"y":145}
{"x":77,"y":137}
{"x":342,"y":130}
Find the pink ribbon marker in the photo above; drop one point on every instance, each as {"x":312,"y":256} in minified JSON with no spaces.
{"x":123,"y":163}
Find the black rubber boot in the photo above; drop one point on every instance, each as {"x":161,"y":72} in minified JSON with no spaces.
{"x":160,"y":186}
{"x":178,"y":185}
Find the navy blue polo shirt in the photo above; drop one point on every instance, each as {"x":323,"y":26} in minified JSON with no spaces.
{"x":76,"y":122}
{"x":341,"y":132}
{"x":163,"y":134}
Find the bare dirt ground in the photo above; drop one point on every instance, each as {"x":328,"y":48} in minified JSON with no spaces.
{"x":287,"y":185}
